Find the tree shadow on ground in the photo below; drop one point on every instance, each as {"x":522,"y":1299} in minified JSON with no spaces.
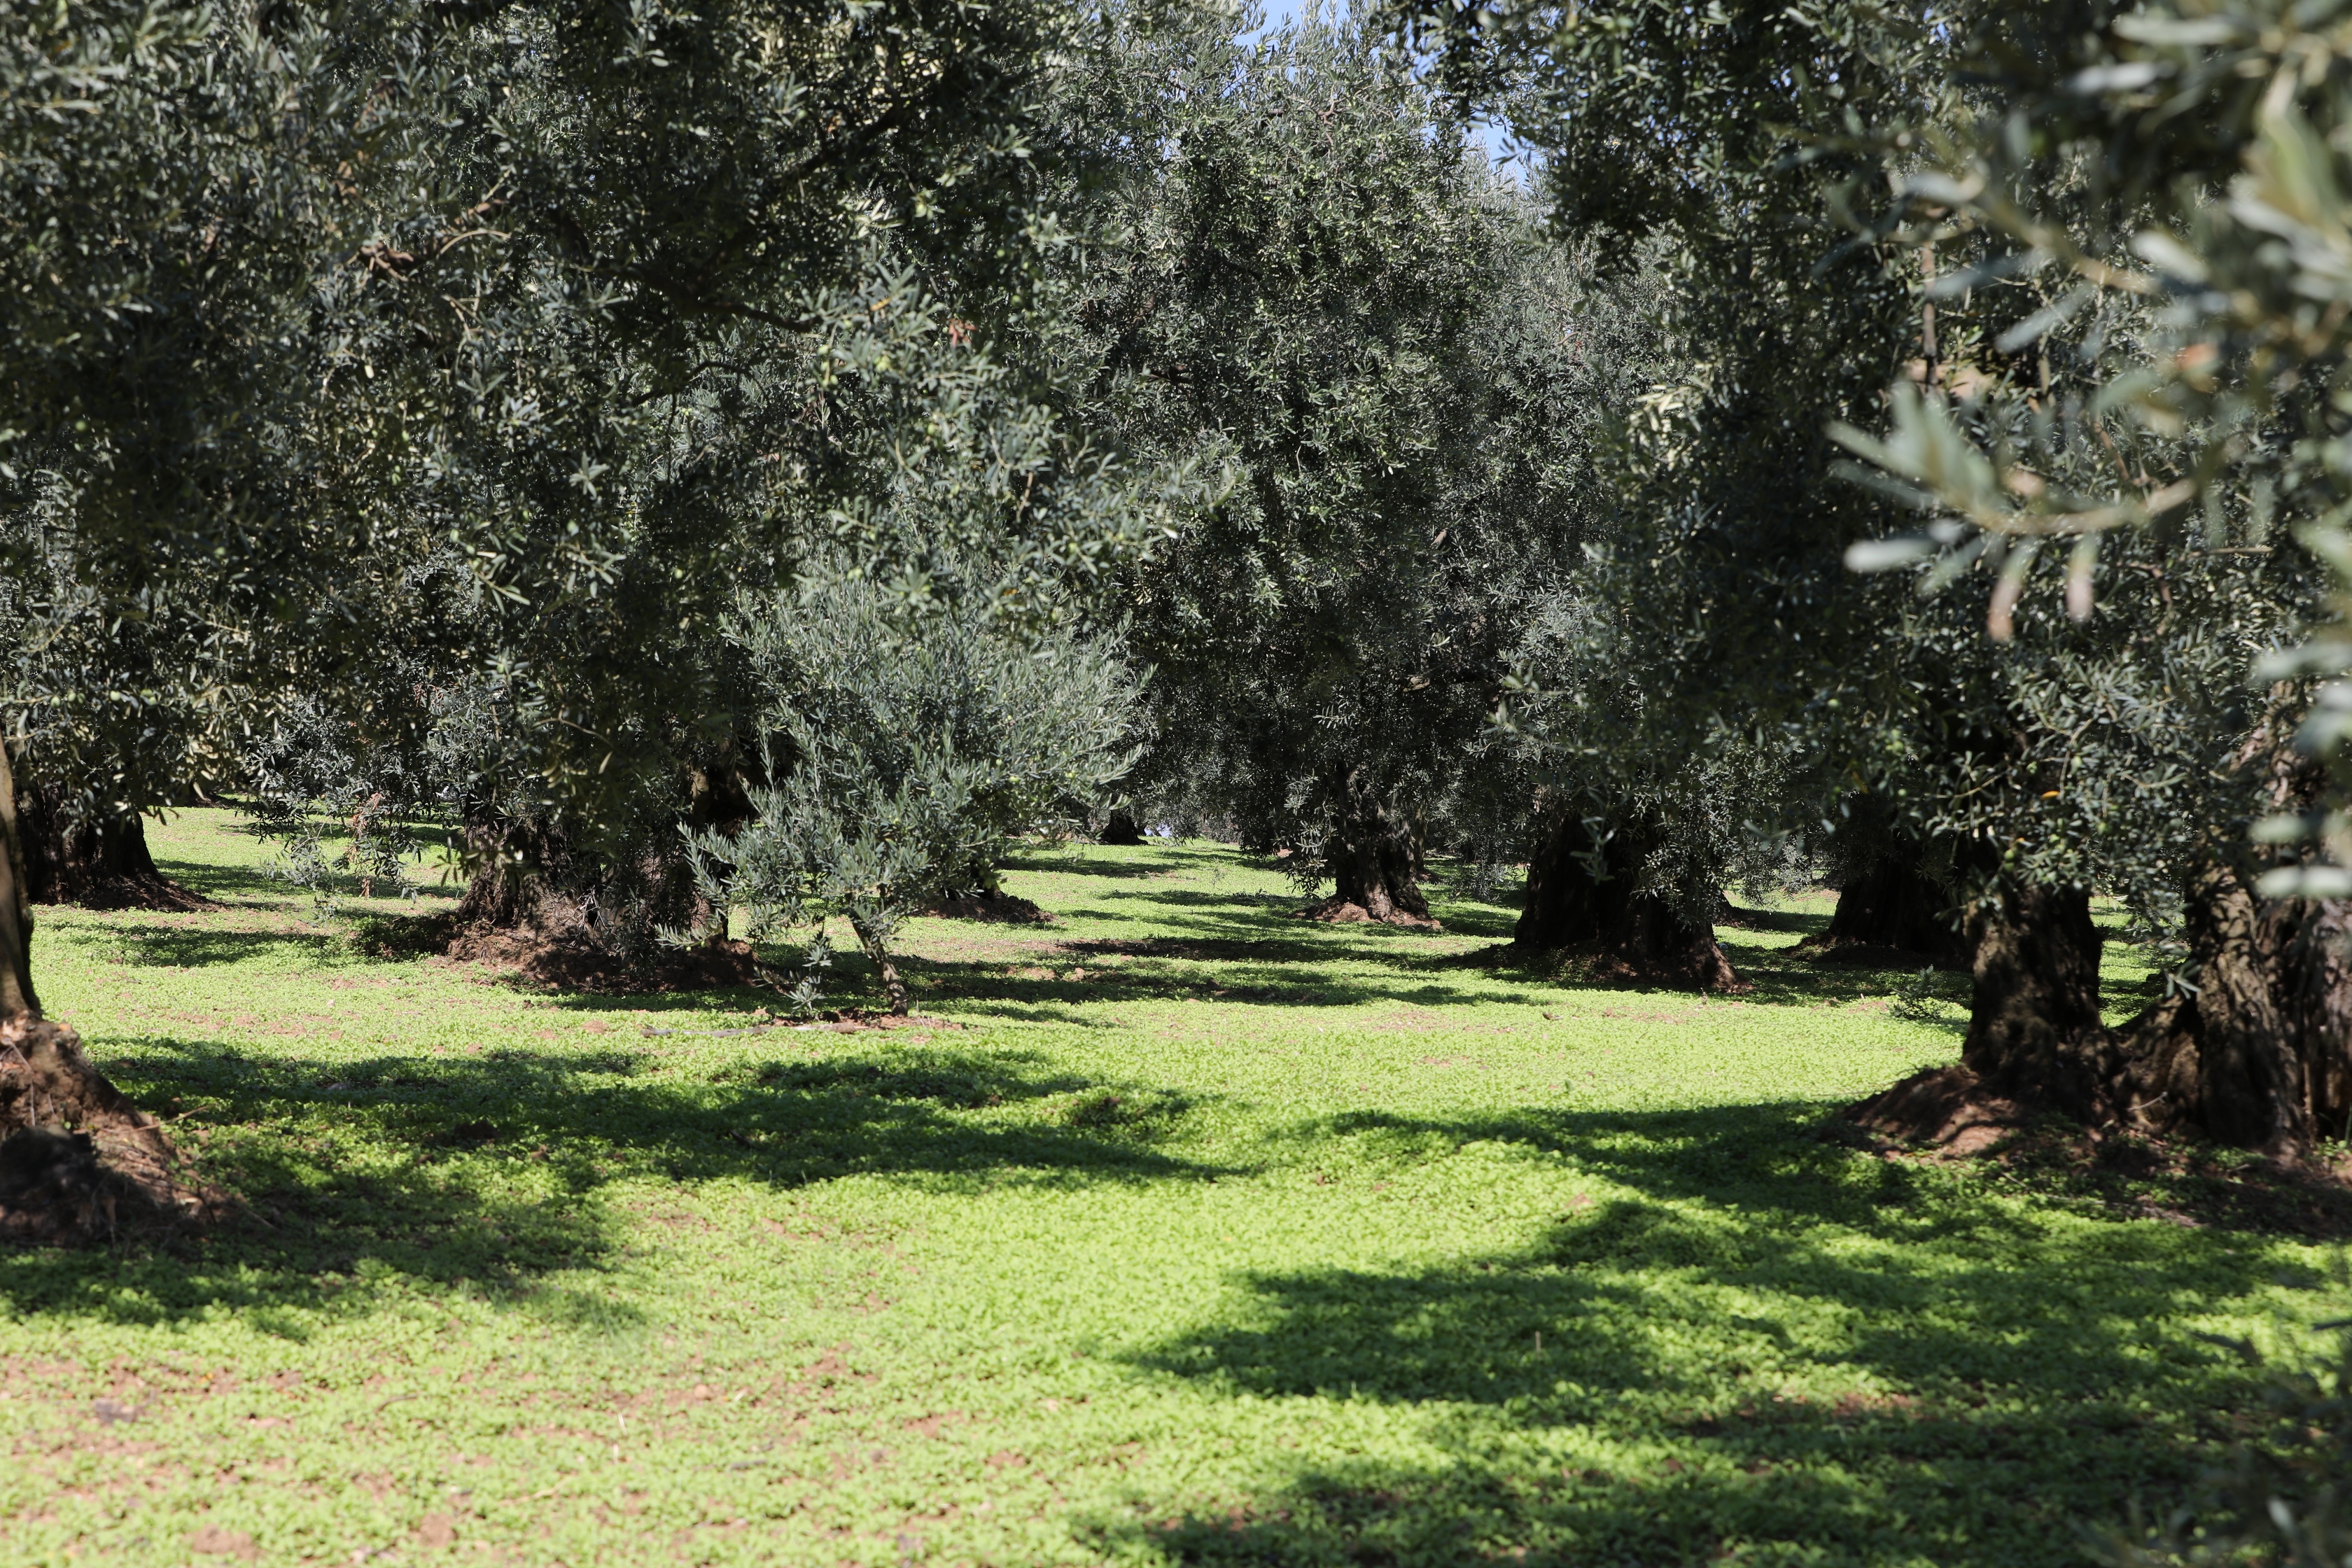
{"x":980,"y":987}
{"x":195,"y":946}
{"x":493,"y":1171}
{"x":1758,"y":1348}
{"x":227,"y":881}
{"x":1162,"y":858}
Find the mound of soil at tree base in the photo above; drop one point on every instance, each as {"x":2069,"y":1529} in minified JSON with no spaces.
{"x":1337,"y":910}
{"x":566,"y":963}
{"x":79,"y":1162}
{"x":1945,"y":1109}
{"x":1947,"y":1113}
{"x":145,"y":891}
{"x":1003,"y":908}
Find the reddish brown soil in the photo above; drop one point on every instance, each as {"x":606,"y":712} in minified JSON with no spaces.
{"x":79,"y":1162}
{"x":1337,"y":910}
{"x":1003,"y":909}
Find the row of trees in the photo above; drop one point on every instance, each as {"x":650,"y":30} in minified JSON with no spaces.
{"x":759,"y":462}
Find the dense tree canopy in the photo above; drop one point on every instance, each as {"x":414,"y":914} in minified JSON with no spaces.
{"x":737,"y":466}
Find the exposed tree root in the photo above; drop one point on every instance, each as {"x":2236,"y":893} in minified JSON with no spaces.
{"x":1949,"y":1113}
{"x":1947,"y":1109}
{"x":1338,"y":909}
{"x":140,"y":890}
{"x":79,"y":1162}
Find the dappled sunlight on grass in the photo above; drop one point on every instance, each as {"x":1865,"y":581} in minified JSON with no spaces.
{"x":1177,"y":1230}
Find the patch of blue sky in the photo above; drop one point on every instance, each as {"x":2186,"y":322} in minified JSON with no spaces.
{"x":1272,"y":16}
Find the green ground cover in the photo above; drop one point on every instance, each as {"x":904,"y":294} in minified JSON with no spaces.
{"x":1193,"y":1234}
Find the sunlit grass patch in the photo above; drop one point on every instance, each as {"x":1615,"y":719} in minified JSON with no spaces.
{"x":1185,"y":1231}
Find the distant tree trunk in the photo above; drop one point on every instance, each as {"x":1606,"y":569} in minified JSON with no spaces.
{"x":1122,"y":828}
{"x":2260,"y":1054}
{"x":511,"y":856}
{"x":1371,"y":857}
{"x":894,"y":985}
{"x":97,"y":860}
{"x":17,"y":999}
{"x":1585,"y":892}
{"x":2034,"y":1023}
{"x":1893,"y":903}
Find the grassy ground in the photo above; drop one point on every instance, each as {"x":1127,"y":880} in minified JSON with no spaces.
{"x":1195,"y":1235}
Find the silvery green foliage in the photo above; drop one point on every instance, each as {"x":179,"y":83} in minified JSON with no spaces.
{"x":2168,"y":181}
{"x":310,"y":782}
{"x":906,"y":748}
{"x":2077,"y":751}
{"x":582,"y":303}
{"x":1299,"y":267}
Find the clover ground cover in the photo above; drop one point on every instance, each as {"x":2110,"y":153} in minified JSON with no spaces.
{"x":1183,"y":1232}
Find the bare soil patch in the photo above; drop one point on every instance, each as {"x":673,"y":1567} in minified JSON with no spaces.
{"x":1337,"y":910}
{"x":1003,"y":909}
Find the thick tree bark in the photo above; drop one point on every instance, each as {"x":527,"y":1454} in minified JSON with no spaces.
{"x":1893,"y":903}
{"x":1373,"y":858}
{"x":2033,"y":1027}
{"x":17,"y":1000}
{"x":2259,"y":1055}
{"x":1122,"y":828}
{"x":102,"y":861}
{"x":894,"y":985}
{"x":59,"y":1114}
{"x":510,"y":857}
{"x":1585,"y":892}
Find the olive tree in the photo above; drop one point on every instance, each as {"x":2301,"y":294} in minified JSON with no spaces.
{"x":1297,"y":267}
{"x":909,"y":746}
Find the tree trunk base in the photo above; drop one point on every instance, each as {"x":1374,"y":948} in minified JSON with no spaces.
{"x":97,"y":864}
{"x":79,"y":1162}
{"x":1697,"y":964}
{"x":1889,"y":904}
{"x":1949,"y":1109}
{"x":2257,"y":1056}
{"x":980,"y":904}
{"x":1340,"y":910}
{"x":1121,"y":829}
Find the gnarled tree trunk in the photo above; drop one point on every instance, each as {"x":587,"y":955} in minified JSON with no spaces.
{"x":2033,"y":1024}
{"x":2260,"y":1052}
{"x":1373,"y":859}
{"x":73,"y":1150}
{"x":1122,"y":828}
{"x":1584,"y":891}
{"x":1893,"y":903}
{"x":511,"y":856}
{"x":99,"y":860}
